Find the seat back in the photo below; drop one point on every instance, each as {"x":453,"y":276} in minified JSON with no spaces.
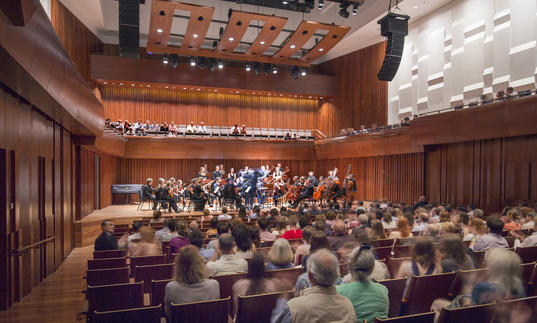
{"x":114,"y":297}
{"x":423,"y":290}
{"x":416,"y":318}
{"x":107,"y":276}
{"x":104,"y":263}
{"x":383,"y":252}
{"x":478,"y":313}
{"x":465,"y":280}
{"x":532,"y":286}
{"x":216,"y":311}
{"x":404,"y":241}
{"x":527,"y":271}
{"x":264,"y":251}
{"x":109,"y":254}
{"x":382,"y":243}
{"x":257,"y":308}
{"x":479,"y":256}
{"x":524,"y":307}
{"x":400,"y":251}
{"x":288,"y":275}
{"x":156,"y":295}
{"x":147,"y":314}
{"x":146,"y":260}
{"x":148,"y":273}
{"x":393,"y":264}
{"x":527,"y":254}
{"x":165,"y":247}
{"x":396,"y":288}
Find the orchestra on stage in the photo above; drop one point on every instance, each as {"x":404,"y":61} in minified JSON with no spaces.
{"x":264,"y":186}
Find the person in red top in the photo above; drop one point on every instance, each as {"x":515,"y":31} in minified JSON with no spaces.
{"x":294,"y":231}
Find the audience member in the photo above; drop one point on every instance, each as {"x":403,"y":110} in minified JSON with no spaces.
{"x":423,"y":260}
{"x":221,"y":228}
{"x":211,"y":233}
{"x":304,"y":249}
{"x":136,"y":235}
{"x":388,"y":220}
{"x":340,"y":236}
{"x":224,"y":215}
{"x":182,"y":238}
{"x":265,"y":235}
{"x":511,"y":221}
{"x":189,"y":284}
{"x":167,"y":232}
{"x":319,"y":303}
{"x":280,"y":255}
{"x":294,"y":231}
{"x":423,"y":220}
{"x":196,"y":239}
{"x":377,"y":230}
{"x":403,"y":229}
{"x":454,"y":256}
{"x":245,"y":247}
{"x":106,"y":240}
{"x":157,"y":218}
{"x":224,"y":261}
{"x":493,"y":239}
{"x":370,"y":299}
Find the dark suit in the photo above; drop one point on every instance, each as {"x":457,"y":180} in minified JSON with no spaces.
{"x":307,"y":191}
{"x":106,"y":241}
{"x":197,"y":197}
{"x":147,"y":194}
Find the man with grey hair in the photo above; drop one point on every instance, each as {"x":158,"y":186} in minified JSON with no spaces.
{"x":432,"y":231}
{"x":340,"y":236}
{"x":320,"y":302}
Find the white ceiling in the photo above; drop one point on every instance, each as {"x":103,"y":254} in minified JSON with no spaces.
{"x":101,"y":17}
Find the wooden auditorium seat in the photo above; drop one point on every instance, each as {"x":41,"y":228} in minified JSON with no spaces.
{"x":382,"y":243}
{"x":146,"y":260}
{"x":156,"y":295}
{"x":383,"y":252}
{"x":527,"y":271}
{"x":401,"y":251}
{"x":531,"y":290}
{"x":114,"y":297}
{"x":216,"y":311}
{"x":108,"y":276}
{"x":468,"y":314}
{"x":396,"y":288}
{"x":416,"y":318}
{"x":404,"y":241}
{"x":393,"y":264}
{"x":289,"y":275}
{"x":109,"y":254}
{"x":465,"y":280}
{"x":423,"y":290}
{"x":103,"y":263}
{"x":525,"y":307}
{"x":146,"y":314}
{"x":527,"y":254}
{"x":258,"y":308}
{"x":148,"y":273}
{"x":479,"y":257}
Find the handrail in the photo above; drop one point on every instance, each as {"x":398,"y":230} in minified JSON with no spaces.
{"x":320,"y":133}
{"x":20,"y":251}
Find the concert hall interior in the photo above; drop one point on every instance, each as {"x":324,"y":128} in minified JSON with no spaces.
{"x":382,"y":152}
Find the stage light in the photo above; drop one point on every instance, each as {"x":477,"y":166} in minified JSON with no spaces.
{"x":165,"y":59}
{"x":202,"y":62}
{"x":355,"y":9}
{"x":220,"y":64}
{"x":310,"y":4}
{"x":195,"y":35}
{"x":267,"y":69}
{"x":285,"y":2}
{"x":174,"y":60}
{"x":343,"y":12}
{"x":159,"y":30}
{"x":248,"y":68}
{"x":294,"y":72}
{"x":192,"y":61}
{"x":256,"y":67}
{"x":292,"y":46}
{"x":321,"y":5}
{"x":303,"y":71}
{"x":212,"y":64}
{"x":274,"y":69}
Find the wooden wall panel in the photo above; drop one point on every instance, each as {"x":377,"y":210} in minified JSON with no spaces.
{"x":109,"y":170}
{"x":86,"y":185}
{"x":78,"y":41}
{"x":361,"y":98}
{"x":216,"y":109}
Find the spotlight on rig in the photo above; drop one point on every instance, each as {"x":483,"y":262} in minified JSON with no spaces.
{"x":192,"y":61}
{"x":212,"y":64}
{"x":202,"y":62}
{"x":256,"y":67}
{"x":267,"y":69}
{"x":355,"y":9}
{"x":274,"y":69}
{"x":248,"y":67}
{"x":303,"y":71}
{"x":174,"y":60}
{"x":320,"y":5}
{"x":220,"y":65}
{"x":343,"y":11}
{"x":165,"y":59}
{"x":295,"y":72}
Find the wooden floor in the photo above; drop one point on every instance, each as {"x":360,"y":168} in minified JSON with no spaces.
{"x":58,"y":298}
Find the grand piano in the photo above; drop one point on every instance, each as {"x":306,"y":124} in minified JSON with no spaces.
{"x":126,"y":189}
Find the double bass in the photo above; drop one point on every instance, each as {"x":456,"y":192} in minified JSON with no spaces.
{"x":348,"y":187}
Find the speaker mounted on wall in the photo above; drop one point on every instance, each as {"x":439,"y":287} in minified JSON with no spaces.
{"x":395,"y":28}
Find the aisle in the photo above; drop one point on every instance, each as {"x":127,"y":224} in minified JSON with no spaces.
{"x":58,"y":298}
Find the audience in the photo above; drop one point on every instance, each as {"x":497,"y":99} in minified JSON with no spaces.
{"x":454,"y":256}
{"x":221,"y":228}
{"x":294,"y":231}
{"x":370,"y":299}
{"x":493,"y":239}
{"x":189,"y":284}
{"x":265,"y":235}
{"x":196,"y":239}
{"x":320,"y":302}
{"x":423,"y":261}
{"x":211,"y":233}
{"x":224,"y":215}
{"x":168,"y":232}
{"x":304,"y":249}
{"x":280,"y":255}
{"x":340,"y":236}
{"x":377,"y":230}
{"x":146,"y":246}
{"x":245,"y":247}
{"x":403,"y":229}
{"x":224,"y":260}
{"x":106,"y":240}
{"x":182,"y":237}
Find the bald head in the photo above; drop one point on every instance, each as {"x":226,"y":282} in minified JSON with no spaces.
{"x":339,"y":228}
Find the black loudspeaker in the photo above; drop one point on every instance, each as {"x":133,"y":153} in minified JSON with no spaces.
{"x":129,"y":28}
{"x":395,"y":27}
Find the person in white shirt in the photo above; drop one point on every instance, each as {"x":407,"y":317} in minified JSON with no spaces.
{"x":224,"y":215}
{"x":173,"y":129}
{"x":191,"y":128}
{"x":224,"y":261}
{"x":202,"y":129}
{"x":166,"y":233}
{"x":235,"y":130}
{"x":530,"y":221}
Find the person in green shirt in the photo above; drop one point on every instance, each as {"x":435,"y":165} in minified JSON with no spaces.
{"x":369,"y":298}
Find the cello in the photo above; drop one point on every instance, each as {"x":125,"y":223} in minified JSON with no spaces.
{"x":348,"y":187}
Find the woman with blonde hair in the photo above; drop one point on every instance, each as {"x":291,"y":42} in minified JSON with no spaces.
{"x":280,"y":255}
{"x":189,"y":283}
{"x":403,"y":229}
{"x":147,"y":246}
{"x":477,"y":229}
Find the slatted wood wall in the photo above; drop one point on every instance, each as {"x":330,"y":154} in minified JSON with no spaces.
{"x":219,"y":109}
{"x":361,"y":98}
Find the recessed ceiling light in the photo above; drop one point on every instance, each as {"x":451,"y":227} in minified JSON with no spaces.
{"x":321,"y":98}
{"x":309,"y":97}
{"x":159,"y":30}
{"x":166,"y":87}
{"x":296,"y":96}
{"x":198,"y":89}
{"x":292,"y":46}
{"x":262,"y":43}
{"x":281,"y":94}
{"x":415,"y":7}
{"x":216,"y":90}
{"x":120,"y":83}
{"x":184,"y":88}
{"x":148,"y":85}
{"x":195,"y":35}
{"x":253,"y":92}
{"x":231,"y":39}
{"x":269,"y":94}
{"x":237,"y":92}
{"x":321,"y":49}
{"x":132,"y":84}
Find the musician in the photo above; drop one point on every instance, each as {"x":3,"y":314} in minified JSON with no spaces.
{"x":349,"y":184}
{"x":334,"y":190}
{"x":278,"y":190}
{"x":251,"y":186}
{"x":307,"y":192}
{"x":198,"y":195}
{"x":147,"y":192}
{"x":202,"y":129}
{"x":243,"y":130}
{"x":217,"y":173}
{"x":229,"y":193}
{"x":277,"y":173}
{"x":232,"y":175}
{"x":191,"y":129}
{"x":222,"y":169}
{"x":167,"y":196}
{"x":244,"y":171}
{"x":202,"y":173}
{"x":235,"y":130}
{"x":313,"y":180}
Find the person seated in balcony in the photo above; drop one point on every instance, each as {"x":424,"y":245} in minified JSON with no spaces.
{"x":287,"y":136}
{"x":235,"y":130}
{"x":202,"y":129}
{"x":500,"y":95}
{"x":510,"y":93}
{"x":136,"y":126}
{"x":147,"y":126}
{"x":363,"y":130}
{"x":243,"y":130}
{"x":154,"y":127}
{"x":191,"y":128}
{"x":164,"y":127}
{"x":173,"y":129}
